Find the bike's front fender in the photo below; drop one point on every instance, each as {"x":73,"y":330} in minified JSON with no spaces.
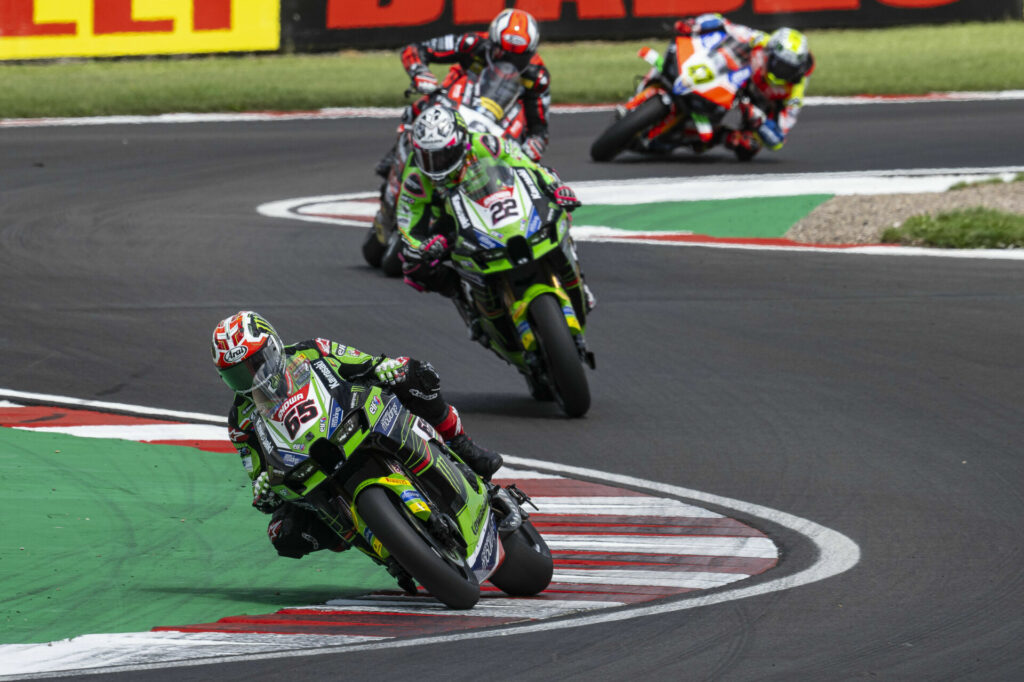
{"x":403,"y":489}
{"x":520,"y":310}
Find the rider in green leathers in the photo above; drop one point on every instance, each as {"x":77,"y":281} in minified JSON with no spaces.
{"x":443,"y":150}
{"x":251,"y":358}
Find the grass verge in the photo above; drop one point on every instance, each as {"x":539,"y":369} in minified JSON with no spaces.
{"x":973,"y":56}
{"x":972,"y":228}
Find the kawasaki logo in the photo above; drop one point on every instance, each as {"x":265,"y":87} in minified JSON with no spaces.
{"x":325,"y":374}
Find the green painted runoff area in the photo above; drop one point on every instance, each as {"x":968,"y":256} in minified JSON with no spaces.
{"x":103,"y":536}
{"x":755,"y":217}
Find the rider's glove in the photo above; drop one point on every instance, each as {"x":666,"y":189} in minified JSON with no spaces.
{"x":418,"y":264}
{"x":425,"y":82}
{"x":566,"y":198}
{"x":771,"y":135}
{"x":434,"y":250}
{"x":392,"y":371}
{"x":263,"y":498}
{"x":534,"y":147}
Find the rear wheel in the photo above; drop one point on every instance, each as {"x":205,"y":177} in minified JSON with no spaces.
{"x":373,"y":250}
{"x":443,"y":573}
{"x":561,"y":358}
{"x":617,"y":137}
{"x":528,"y":565}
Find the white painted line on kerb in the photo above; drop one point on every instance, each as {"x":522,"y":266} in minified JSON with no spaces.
{"x":748,"y":185}
{"x":834,"y":554}
{"x":334,"y":113}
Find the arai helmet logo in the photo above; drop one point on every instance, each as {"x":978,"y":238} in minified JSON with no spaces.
{"x":235,"y":354}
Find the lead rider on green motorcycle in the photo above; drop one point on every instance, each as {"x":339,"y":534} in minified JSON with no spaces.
{"x":254,"y":363}
{"x":443,"y":151}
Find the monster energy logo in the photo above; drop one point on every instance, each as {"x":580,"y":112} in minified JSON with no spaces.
{"x":258,"y":325}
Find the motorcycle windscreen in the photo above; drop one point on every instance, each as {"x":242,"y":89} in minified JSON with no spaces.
{"x":277,"y":385}
{"x":498,"y":88}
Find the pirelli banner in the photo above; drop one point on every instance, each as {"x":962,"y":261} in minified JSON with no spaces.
{"x":332,"y":24}
{"x":40,"y":29}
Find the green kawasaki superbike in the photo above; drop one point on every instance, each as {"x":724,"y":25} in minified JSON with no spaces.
{"x":384,"y":480}
{"x":521,"y":290}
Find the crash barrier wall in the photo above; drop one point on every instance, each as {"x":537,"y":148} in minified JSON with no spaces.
{"x":315,"y":25}
{"x":39,"y":29}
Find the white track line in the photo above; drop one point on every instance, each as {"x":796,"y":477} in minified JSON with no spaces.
{"x":835,"y":554}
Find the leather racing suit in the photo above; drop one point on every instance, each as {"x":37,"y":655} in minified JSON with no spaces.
{"x":296,"y":531}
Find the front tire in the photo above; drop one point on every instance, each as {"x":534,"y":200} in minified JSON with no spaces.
{"x":561,"y":359}
{"x":618,"y":136}
{"x":528,"y":566}
{"x":373,"y":250}
{"x":453,"y":583}
{"x":390,"y":263}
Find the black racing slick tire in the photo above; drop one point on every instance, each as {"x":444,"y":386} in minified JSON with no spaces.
{"x":561,"y":358}
{"x":618,"y":136}
{"x":528,"y":566}
{"x":407,"y":540}
{"x":390,"y":263}
{"x":373,"y":250}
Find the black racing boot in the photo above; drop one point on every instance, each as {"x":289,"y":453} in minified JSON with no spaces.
{"x":481,"y":460}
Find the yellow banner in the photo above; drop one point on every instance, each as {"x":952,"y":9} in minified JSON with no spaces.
{"x":40,"y":29}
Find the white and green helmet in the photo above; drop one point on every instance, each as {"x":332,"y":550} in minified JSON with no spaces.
{"x":440,"y":141}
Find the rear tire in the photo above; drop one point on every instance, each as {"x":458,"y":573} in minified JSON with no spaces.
{"x":373,"y":250}
{"x":528,"y":565}
{"x":416,"y":551}
{"x":617,"y":137}
{"x":561,"y":359}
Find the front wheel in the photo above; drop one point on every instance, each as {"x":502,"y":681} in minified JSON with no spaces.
{"x":622,"y":132}
{"x":528,"y":566}
{"x":561,"y":358}
{"x":373,"y":250}
{"x":390,"y":263}
{"x":444,"y":574}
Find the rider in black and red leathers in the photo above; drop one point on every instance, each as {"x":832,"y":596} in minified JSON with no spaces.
{"x":513,"y":37}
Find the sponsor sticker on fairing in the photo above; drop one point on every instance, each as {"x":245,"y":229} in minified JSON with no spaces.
{"x":740,"y":76}
{"x":326,"y":375}
{"x":336,"y":414}
{"x":263,"y":436}
{"x":387,"y":420}
{"x":535,"y":223}
{"x":527,"y":179}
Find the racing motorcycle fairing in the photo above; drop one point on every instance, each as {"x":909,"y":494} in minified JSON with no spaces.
{"x":331,"y":439}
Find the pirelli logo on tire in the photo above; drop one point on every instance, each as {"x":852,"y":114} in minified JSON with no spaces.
{"x":41,"y":29}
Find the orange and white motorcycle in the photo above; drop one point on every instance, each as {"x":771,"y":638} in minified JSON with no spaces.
{"x":683,"y":98}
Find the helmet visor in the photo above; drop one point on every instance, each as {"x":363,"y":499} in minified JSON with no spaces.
{"x":437,"y":163}
{"x":786,"y":70}
{"x":240,"y":377}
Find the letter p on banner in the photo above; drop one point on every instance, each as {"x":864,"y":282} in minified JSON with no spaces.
{"x":46,"y":29}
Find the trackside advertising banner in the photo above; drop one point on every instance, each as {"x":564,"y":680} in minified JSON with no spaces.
{"x":39,"y":29}
{"x":334,"y":24}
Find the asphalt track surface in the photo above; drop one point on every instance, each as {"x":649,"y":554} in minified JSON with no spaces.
{"x":877,"y":396}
